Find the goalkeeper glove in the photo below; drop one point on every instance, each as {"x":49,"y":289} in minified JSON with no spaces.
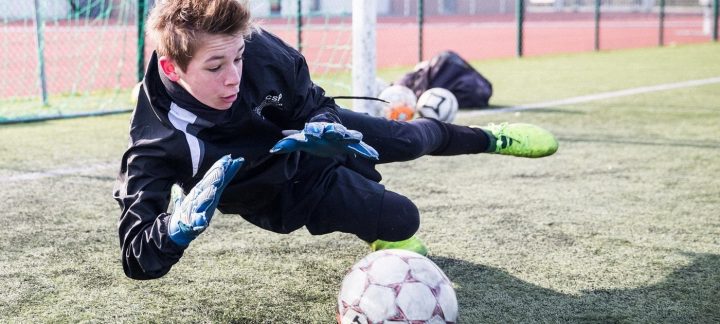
{"x":326,"y":140}
{"x":193,"y":213}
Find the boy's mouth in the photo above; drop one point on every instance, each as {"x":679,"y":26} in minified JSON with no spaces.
{"x":229,"y":98}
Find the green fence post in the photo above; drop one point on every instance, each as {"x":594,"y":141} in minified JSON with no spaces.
{"x":661,"y":31}
{"x":141,"y":13}
{"x":40,"y":32}
{"x":716,"y":3}
{"x":299,"y":26}
{"x":520,"y":17}
{"x":421,"y":18}
{"x":597,"y":25}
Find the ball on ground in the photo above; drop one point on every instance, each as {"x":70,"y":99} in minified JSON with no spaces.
{"x":437,"y":103}
{"x":389,"y":286}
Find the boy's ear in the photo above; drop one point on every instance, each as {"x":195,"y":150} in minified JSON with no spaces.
{"x":169,"y":67}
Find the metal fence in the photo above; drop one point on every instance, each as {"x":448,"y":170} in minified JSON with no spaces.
{"x":66,"y":57}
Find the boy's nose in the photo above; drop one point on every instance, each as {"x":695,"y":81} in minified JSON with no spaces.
{"x":233,"y":76}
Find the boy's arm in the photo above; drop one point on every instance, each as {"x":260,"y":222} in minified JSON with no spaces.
{"x":143,"y":192}
{"x":323,"y":133}
{"x":152,"y":241}
{"x":310,"y":102}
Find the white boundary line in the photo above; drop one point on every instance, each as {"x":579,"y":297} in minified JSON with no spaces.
{"x":58,"y":172}
{"x":594,"y":97}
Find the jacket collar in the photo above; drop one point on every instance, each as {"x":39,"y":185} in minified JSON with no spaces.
{"x":182,"y":98}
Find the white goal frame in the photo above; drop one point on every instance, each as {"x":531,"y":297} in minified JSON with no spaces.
{"x":364,"y":55}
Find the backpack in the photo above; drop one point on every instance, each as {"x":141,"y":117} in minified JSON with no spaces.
{"x":450,"y":71}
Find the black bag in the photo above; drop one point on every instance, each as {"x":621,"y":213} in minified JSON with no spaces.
{"x":450,"y":71}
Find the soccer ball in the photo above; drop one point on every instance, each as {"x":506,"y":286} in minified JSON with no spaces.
{"x":389,"y":286}
{"x":401,"y":104}
{"x":438,"y":103}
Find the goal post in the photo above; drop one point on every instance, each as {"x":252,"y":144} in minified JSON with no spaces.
{"x":364,"y":56}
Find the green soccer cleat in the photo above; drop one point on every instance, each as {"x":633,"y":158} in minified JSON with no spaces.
{"x":523,"y":140}
{"x":413,"y":244}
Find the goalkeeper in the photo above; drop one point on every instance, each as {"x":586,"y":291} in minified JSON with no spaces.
{"x":228,"y":112}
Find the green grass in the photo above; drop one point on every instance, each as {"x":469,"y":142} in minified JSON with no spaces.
{"x":572,"y":75}
{"x":622,"y":225}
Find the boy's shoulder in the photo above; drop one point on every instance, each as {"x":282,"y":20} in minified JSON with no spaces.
{"x":265,"y":45}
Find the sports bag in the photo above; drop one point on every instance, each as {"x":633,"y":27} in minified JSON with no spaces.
{"x":450,"y":71}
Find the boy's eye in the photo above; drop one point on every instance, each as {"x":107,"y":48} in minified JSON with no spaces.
{"x":237,"y":60}
{"x":214,"y":69}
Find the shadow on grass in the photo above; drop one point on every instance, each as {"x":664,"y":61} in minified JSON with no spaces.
{"x":689,"y":294}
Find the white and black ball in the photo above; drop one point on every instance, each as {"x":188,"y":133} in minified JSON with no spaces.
{"x":437,"y":103}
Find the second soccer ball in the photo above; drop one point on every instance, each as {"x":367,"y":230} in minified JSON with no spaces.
{"x":437,"y":103}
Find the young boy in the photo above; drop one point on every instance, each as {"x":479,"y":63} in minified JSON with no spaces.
{"x":217,"y":101}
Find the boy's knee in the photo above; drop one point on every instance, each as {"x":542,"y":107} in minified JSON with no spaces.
{"x":399,"y":219}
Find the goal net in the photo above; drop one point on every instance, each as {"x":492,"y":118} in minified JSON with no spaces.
{"x":83,"y":57}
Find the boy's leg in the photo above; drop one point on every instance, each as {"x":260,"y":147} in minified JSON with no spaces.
{"x":403,"y":141}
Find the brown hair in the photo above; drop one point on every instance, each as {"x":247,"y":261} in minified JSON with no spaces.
{"x":177,"y":25}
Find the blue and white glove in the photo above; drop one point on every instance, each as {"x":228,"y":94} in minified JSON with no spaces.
{"x":326,"y":140}
{"x":193,"y":213}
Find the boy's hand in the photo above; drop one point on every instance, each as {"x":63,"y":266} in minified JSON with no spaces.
{"x":193,"y":213}
{"x":326,"y":140}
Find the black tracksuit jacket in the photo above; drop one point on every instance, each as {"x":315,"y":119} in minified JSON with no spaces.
{"x":174,"y":139}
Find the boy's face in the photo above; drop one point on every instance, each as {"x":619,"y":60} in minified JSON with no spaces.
{"x":213,"y":74}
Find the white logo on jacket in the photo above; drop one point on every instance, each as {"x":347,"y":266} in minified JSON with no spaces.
{"x":270,"y":100}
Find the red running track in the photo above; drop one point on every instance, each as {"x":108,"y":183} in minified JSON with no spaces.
{"x":82,"y":58}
